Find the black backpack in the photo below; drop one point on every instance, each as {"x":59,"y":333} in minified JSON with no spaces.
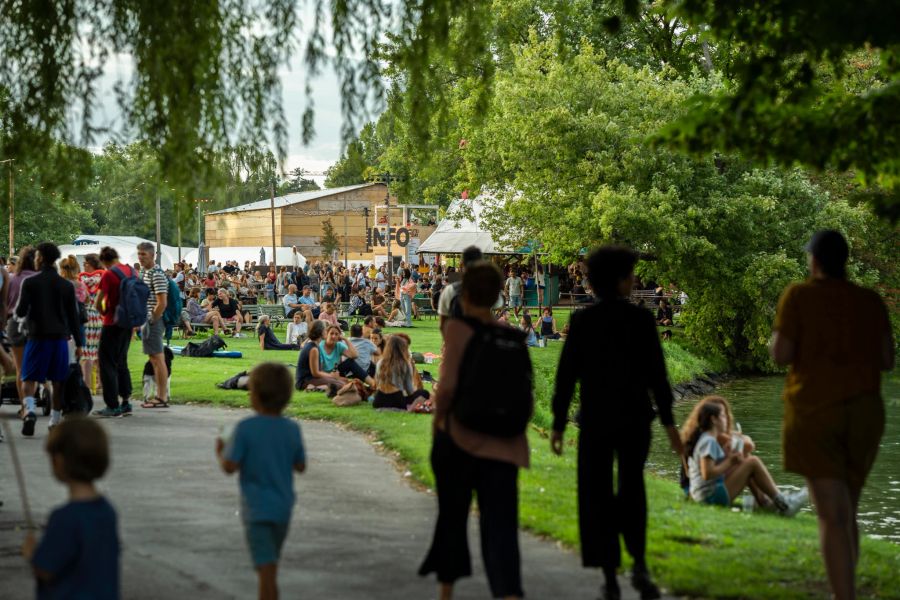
{"x":234,"y":383}
{"x":494,"y":390}
{"x":205,"y":348}
{"x":77,"y":399}
{"x":456,"y":311}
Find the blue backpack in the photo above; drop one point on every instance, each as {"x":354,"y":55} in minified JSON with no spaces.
{"x":172,"y":314}
{"x":133,"y":293}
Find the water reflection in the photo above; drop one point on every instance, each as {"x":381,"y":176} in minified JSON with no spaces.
{"x":757,"y":406}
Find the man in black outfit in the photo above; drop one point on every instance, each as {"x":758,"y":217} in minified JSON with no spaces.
{"x":614,"y":350}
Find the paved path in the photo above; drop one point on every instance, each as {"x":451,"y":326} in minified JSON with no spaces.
{"x":359,"y":531}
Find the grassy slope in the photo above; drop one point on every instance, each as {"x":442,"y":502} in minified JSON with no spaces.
{"x":695,"y":550}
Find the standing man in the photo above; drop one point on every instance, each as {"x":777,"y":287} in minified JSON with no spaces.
{"x":112,"y":351}
{"x":614,"y":351}
{"x":154,"y":329}
{"x":514,"y":285}
{"x":48,"y":302}
{"x":836,"y":337}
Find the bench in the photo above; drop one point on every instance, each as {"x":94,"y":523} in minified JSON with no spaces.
{"x":274,"y":311}
{"x":424,"y":308}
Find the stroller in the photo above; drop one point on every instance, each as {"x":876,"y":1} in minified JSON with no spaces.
{"x":10,"y":394}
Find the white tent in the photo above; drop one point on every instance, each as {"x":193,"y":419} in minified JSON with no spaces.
{"x":126,"y":246}
{"x":457,"y":232}
{"x":285,"y":255}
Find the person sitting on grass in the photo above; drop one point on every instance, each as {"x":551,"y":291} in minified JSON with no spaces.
{"x":377,"y":338}
{"x":310,"y":373}
{"x":298,"y":328}
{"x":395,"y":383}
{"x":548,"y":325}
{"x":397,"y":318}
{"x":368,"y":352}
{"x":664,"y":314}
{"x":503,"y":316}
{"x":368,"y":326}
{"x":267,"y":338}
{"x":337,"y":357}
{"x":717,"y":475}
{"x":267,"y":449}
{"x":359,"y":305}
{"x":531,"y":338}
{"x":378,"y":305}
{"x":78,"y":555}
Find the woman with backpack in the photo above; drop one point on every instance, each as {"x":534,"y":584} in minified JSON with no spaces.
{"x":479,"y":439}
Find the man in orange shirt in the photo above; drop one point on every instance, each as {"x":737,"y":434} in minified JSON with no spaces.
{"x":836,"y":337}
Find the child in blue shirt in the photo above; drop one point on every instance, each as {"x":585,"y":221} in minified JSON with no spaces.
{"x":78,"y":555}
{"x":266,"y":449}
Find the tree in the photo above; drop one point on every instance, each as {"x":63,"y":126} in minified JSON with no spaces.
{"x":329,"y":241}
{"x":297,"y":182}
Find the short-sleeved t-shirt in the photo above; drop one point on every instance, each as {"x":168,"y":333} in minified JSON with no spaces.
{"x":157,"y":282}
{"x":837,"y":329}
{"x":366,"y":349}
{"x":329,"y":362}
{"x":228,"y":311}
{"x":707,"y":445}
{"x":267,"y":448}
{"x":515,"y":286}
{"x":109,"y":285}
{"x":80,"y":549}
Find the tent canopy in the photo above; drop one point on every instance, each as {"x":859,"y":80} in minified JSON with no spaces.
{"x":455,"y":233}
{"x":242,"y":254}
{"x":126,"y":246}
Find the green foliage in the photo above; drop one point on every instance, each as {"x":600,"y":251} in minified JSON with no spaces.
{"x":297,"y":182}
{"x":329,"y":242}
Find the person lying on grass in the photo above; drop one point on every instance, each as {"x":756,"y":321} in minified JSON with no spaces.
{"x":717,"y":475}
{"x":267,"y":338}
{"x":267,"y":449}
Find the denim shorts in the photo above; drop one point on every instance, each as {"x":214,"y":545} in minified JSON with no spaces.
{"x":719,"y":495}
{"x":265,"y":538}
{"x":515,"y":301}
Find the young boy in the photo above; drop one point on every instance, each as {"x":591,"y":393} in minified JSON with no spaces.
{"x":78,"y":556}
{"x":266,"y":448}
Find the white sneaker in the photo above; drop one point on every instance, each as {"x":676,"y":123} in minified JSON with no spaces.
{"x":795,"y":502}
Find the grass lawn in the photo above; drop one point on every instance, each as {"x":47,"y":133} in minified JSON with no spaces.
{"x":694,"y":550}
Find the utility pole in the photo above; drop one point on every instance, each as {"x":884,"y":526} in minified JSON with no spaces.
{"x":346,"y":250}
{"x":272,"y":204}
{"x":12,"y":207}
{"x":387,"y":178}
{"x":178,"y":219}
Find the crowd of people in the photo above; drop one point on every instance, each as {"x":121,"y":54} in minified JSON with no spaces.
{"x":611,"y":351}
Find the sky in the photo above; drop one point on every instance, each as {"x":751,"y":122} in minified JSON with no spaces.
{"x":323,"y":151}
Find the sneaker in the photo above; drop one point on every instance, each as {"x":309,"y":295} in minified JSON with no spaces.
{"x":28,"y":424}
{"x":641,"y":581}
{"x":611,"y":592}
{"x":125,"y":409}
{"x":108,"y":412}
{"x":795,"y":502}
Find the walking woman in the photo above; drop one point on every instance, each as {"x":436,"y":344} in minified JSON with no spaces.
{"x":25,"y":268}
{"x":466,"y":460}
{"x":614,"y":351}
{"x":90,"y":277}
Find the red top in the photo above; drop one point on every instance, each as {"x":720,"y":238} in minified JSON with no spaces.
{"x":109,"y":285}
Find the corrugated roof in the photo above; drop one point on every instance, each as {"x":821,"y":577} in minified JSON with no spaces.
{"x":291,"y":199}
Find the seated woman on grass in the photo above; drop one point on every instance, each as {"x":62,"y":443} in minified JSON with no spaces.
{"x":378,"y":307}
{"x":530,"y":334}
{"x":377,"y":338}
{"x":329,"y":314}
{"x":717,"y":475}
{"x":267,"y":338}
{"x":298,"y":328}
{"x":310,"y":375}
{"x":397,"y":318}
{"x":395,"y":381}
{"x":337,"y":357}
{"x":548,"y":325}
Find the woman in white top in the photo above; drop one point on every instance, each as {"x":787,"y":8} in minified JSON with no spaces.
{"x":299,"y":327}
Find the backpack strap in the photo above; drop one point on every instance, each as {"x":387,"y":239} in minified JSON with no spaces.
{"x":121,"y":274}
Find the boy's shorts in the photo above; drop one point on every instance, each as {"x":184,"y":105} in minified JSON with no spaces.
{"x":265,"y":538}
{"x":515,"y":301}
{"x":45,"y":360}
{"x":719,"y":495}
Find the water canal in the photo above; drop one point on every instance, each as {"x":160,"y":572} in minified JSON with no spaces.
{"x":757,"y":406}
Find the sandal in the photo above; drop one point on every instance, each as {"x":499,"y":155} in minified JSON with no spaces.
{"x":155,"y":402}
